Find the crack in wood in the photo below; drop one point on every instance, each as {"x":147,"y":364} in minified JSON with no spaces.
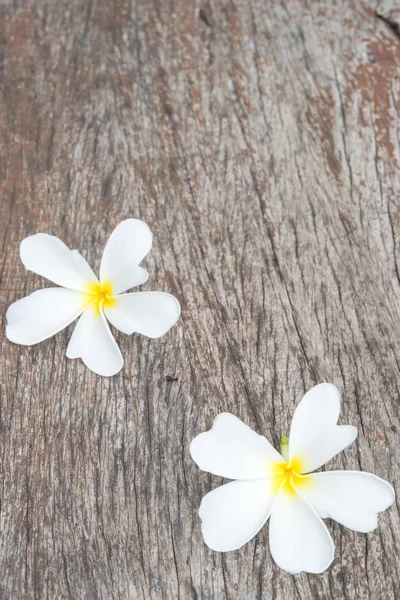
{"x":392,"y":25}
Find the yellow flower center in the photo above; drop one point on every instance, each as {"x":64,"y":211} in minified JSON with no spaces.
{"x":98,"y":295}
{"x":289,"y":478}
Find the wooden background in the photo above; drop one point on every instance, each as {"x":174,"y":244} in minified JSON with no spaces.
{"x":260,"y":141}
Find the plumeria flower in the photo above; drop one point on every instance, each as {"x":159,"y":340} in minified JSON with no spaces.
{"x":282,"y":487}
{"x":46,"y":312}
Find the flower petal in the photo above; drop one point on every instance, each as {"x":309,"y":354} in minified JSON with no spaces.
{"x":49,"y":257}
{"x":351,"y":498}
{"x":233,"y":513}
{"x":92,"y":341}
{"x":84,"y":268}
{"x":42,"y":314}
{"x":127,"y":246}
{"x":231,"y":449}
{"x":149,"y":313}
{"x":315,"y":436}
{"x":298,"y":539}
{"x":137,"y":276}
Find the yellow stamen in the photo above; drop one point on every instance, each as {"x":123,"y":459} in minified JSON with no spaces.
{"x":289,"y":477}
{"x":98,"y":295}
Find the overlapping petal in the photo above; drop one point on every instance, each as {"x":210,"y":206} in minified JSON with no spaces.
{"x":233,"y":513}
{"x":150,"y":313}
{"x":231,"y":449}
{"x":93,"y":342}
{"x":299,"y":540}
{"x":127,"y":246}
{"x":84,"y":268}
{"x":351,"y":498}
{"x":49,"y":257}
{"x":315,"y":437}
{"x":42,"y":314}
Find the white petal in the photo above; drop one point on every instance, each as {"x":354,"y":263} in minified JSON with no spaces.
{"x":49,"y":257}
{"x":315,"y":436}
{"x":351,"y":498}
{"x":233,"y":513}
{"x":231,"y":449}
{"x":298,"y":539}
{"x":84,"y":268}
{"x":128,"y":245}
{"x":42,"y":314}
{"x":137,"y":276}
{"x":93,"y":342}
{"x":149,"y":313}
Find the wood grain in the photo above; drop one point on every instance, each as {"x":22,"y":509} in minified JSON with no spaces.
{"x":260,"y":142}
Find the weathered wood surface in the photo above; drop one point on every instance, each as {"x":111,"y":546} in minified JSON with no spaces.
{"x":260,"y":141}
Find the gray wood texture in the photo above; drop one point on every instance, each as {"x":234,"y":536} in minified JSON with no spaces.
{"x":260,"y":141}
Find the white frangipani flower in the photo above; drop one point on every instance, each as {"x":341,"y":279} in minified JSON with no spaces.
{"x":46,"y":312}
{"x":282,"y":487}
